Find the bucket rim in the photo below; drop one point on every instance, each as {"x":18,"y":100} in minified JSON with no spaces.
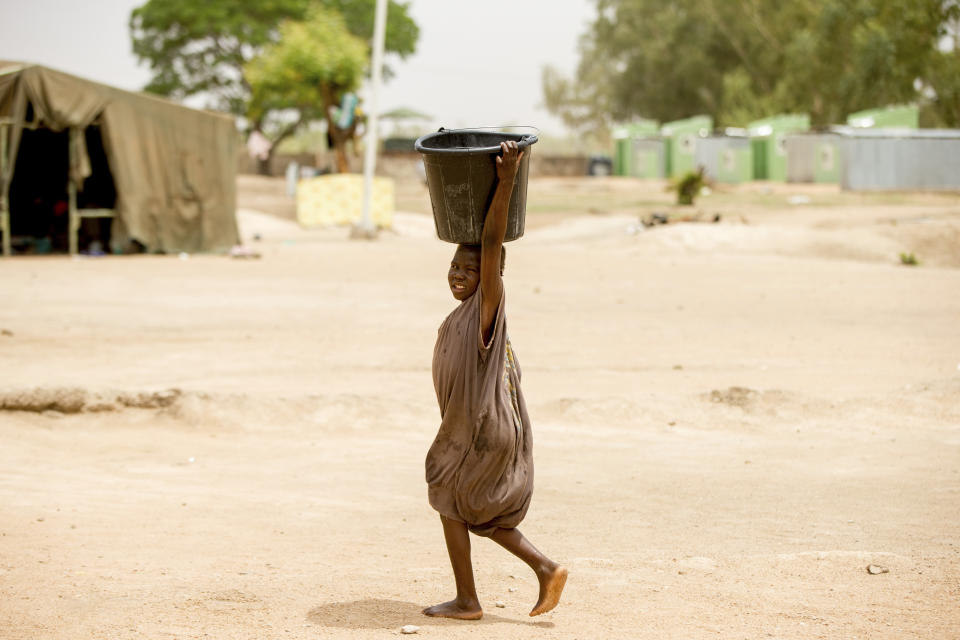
{"x":523,"y":141}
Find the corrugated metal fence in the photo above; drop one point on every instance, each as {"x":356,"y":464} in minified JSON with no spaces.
{"x":880,"y":160}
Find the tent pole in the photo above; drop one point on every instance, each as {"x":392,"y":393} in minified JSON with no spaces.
{"x":4,"y":205}
{"x":74,"y":222}
{"x":366,"y":229}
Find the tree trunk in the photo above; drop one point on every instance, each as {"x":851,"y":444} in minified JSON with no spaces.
{"x":338,"y":139}
{"x":263,"y":164}
{"x":343,"y":163}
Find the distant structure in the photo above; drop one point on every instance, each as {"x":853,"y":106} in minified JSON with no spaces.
{"x":88,"y":167}
{"x":901,"y":159}
{"x":877,"y":150}
{"x":639,"y":151}
{"x":726,"y":157}
{"x":813,"y":157}
{"x":681,"y":137}
{"x":899,"y":116}
{"x":768,"y":140}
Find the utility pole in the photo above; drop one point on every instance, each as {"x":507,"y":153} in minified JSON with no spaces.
{"x":366,"y":229}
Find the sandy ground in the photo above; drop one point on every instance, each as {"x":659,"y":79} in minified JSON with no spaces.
{"x":731,"y":423}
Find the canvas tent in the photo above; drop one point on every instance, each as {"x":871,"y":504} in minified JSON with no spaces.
{"x":164,"y":173}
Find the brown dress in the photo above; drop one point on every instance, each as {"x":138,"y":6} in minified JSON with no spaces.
{"x":480,"y":466}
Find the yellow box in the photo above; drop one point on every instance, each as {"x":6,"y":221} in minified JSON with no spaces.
{"x":338,"y":199}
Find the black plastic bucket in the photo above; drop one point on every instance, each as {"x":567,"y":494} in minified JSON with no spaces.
{"x":461,"y":173}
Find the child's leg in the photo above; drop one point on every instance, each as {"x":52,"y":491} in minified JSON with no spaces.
{"x":552,"y":577}
{"x":466,"y":606}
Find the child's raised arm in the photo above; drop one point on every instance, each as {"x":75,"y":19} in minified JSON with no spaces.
{"x":494,"y":228}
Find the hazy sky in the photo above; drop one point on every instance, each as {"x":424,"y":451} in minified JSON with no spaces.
{"x":477,"y":63}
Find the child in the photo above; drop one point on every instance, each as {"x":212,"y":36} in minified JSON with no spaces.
{"x":480,"y":466}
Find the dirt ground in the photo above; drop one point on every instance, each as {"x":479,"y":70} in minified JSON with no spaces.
{"x":732,"y":421}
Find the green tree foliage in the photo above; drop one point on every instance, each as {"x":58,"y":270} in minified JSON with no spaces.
{"x":206,"y":47}
{"x":201,"y":47}
{"x":311,"y":65}
{"x":740,"y":60}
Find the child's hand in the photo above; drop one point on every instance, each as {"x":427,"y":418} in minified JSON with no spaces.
{"x":508,"y":161}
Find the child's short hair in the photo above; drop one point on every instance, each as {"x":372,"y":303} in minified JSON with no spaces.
{"x":503,"y":253}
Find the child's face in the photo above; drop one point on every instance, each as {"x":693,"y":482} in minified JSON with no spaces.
{"x":464,"y":274}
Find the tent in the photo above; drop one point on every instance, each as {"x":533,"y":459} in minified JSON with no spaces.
{"x":156,"y":172}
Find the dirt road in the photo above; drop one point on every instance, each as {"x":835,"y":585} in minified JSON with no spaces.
{"x":731,"y":423}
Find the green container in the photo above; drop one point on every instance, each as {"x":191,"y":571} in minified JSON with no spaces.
{"x":826,"y":166}
{"x":681,"y":137}
{"x":735,"y":165}
{"x":814,"y":157}
{"x":727,"y":158}
{"x":768,"y":140}
{"x":648,"y":158}
{"x":758,"y":147}
{"x":624,"y":157}
{"x":621,"y":156}
{"x":894,"y":117}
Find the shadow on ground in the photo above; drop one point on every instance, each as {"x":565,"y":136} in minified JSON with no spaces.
{"x":391,"y":614}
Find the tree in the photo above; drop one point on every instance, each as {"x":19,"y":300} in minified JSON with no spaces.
{"x":205,"y":47}
{"x":662,"y":59}
{"x":313,"y":63}
{"x":739,"y":60}
{"x":857,"y":54}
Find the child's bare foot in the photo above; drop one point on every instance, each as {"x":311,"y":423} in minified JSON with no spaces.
{"x":551,"y":586}
{"x":455,"y":609}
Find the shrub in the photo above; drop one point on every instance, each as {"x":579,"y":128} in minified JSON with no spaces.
{"x":689,"y":185}
{"x":908,"y":259}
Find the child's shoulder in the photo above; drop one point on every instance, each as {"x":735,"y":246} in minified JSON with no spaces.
{"x":463,"y":312}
